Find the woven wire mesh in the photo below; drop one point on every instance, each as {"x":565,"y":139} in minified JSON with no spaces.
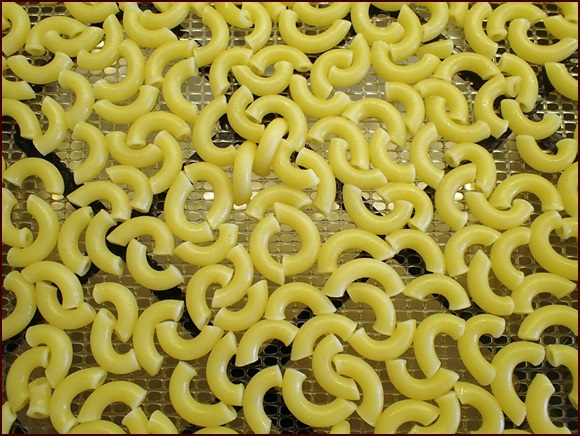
{"x":408,"y":264}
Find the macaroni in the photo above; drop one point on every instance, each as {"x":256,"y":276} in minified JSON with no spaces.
{"x":270,"y":55}
{"x":59,"y":314}
{"x":24,"y":117}
{"x":313,"y":16}
{"x":496,"y":22}
{"x":91,"y":13}
{"x":454,"y":98}
{"x":125,"y":155}
{"x":407,"y":73}
{"x":142,"y":272}
{"x":240,"y":282}
{"x":209,"y":254}
{"x":384,"y":111}
{"x":238,"y":118}
{"x":108,"y":54}
{"x":485,"y":171}
{"x":138,"y":32}
{"x":222,"y":64}
{"x":253,"y":399}
{"x":412,"y":36}
{"x":267,"y":147}
{"x":528,"y":88}
{"x":296,"y":292}
{"x":137,"y":181}
{"x":486,"y":404}
{"x":125,"y":304}
{"x":411,"y":100}
{"x":511,"y":110}
{"x":290,"y":175}
{"x":86,"y":40}
{"x":39,"y":402}
{"x":326,"y":189}
{"x":359,"y":14}
{"x":449,"y":416}
{"x":462,"y":240}
{"x":493,"y":217}
{"x":24,"y":308}
{"x":317,"y":326}
{"x":501,"y":255}
{"x":385,"y":349}
{"x":533,"y":155}
{"x":40,"y":75}
{"x":537,"y":402}
{"x":216,"y":371}
{"x":567,"y":356}
{"x":568,"y":183}
{"x":357,"y":71}
{"x":203,"y":131}
{"x":259,"y":252}
{"x":234,"y":15}
{"x":59,"y":347}
{"x":156,"y":121}
{"x":195,"y":294}
{"x":423,"y":244}
{"x":98,"y":155}
{"x":538,"y":283}
{"x":439,"y":284}
{"x":19,"y":90}
{"x":105,"y":191}
{"x":163,"y":55}
{"x":242,"y":172}
{"x":468,"y":345}
{"x":562,"y":80}
{"x":474,"y":33}
{"x":403,"y":411}
{"x":541,"y":318}
{"x":426,"y":171}
{"x":187,"y":349}
{"x":126,"y":114}
{"x":312,"y":105}
{"x":220,"y":36}
{"x":118,"y":391}
{"x":483,"y":106}
{"x":251,"y":313}
{"x":17,"y":386}
{"x":18,"y":33}
{"x":437,"y":21}
{"x":96,"y":244}
{"x":170,"y":17}
{"x":258,"y":334}
{"x":447,"y":190}
{"x":258,"y":14}
{"x":61,"y":276}
{"x":502,"y":386}
{"x":34,"y":166}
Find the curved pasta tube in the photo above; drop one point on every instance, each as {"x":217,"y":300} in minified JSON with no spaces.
{"x":536,"y":322}
{"x":511,"y":110}
{"x":267,"y":147}
{"x":528,"y":87}
{"x":347,"y":239}
{"x":412,"y":36}
{"x":326,"y":189}
{"x":84,"y":97}
{"x":96,"y":244}
{"x":384,"y":111}
{"x":17,"y":385}
{"x":170,"y":17}
{"x":244,"y":318}
{"x":122,"y":391}
{"x":475,"y":36}
{"x":61,"y":276}
{"x":317,"y":415}
{"x":187,"y":349}
{"x":125,"y":305}
{"x":243,"y":276}
{"x":567,"y":356}
{"x":381,"y":160}
{"x":317,"y":326}
{"x":411,"y":100}
{"x":202,"y":133}
{"x":360,"y":268}
{"x":466,"y":61}
{"x":220,"y":37}
{"x":242,"y":173}
{"x":259,"y":252}
{"x":480,"y":289}
{"x":213,"y":253}
{"x":533,"y":155}
{"x":535,"y":53}
{"x":446,"y":191}
{"x":258,"y":334}
{"x":455,"y":100}
{"x":311,"y":15}
{"x":270,"y":55}
{"x":357,"y":71}
{"x":125,"y":155}
{"x":222,"y":64}
{"x":234,"y":15}
{"x":108,"y":54}
{"x":58,"y":314}
{"x":101,"y":341}
{"x":98,"y":155}
{"x":61,"y":416}
{"x":138,"y":32}
{"x":496,"y":218}
{"x":568,"y":183}
{"x":259,"y":16}
{"x":485,"y":171}
{"x":441,"y":48}
{"x":537,"y":402}
{"x":129,"y":86}
{"x":386,"y":349}
{"x":501,"y":254}
{"x":496,"y":22}
{"x":24,"y":117}
{"x":297,"y":292}
{"x":492,"y":419}
{"x":377,"y":224}
{"x":262,"y":86}
{"x":126,"y":114}
{"x":57,"y":127}
{"x":423,"y":244}
{"x":420,"y":389}
{"x":449,"y":416}
{"x":100,"y":426}
{"x":253,"y":400}
{"x":487,"y":94}
{"x":85,"y":40}
{"x":175,"y":215}
{"x":288,"y":109}
{"x":195,"y":295}
{"x":91,"y":13}
{"x":19,"y":90}
{"x":390,"y":71}
{"x":144,"y":225}
{"x":216,"y":371}
{"x":191,"y":410}
{"x":502,"y":387}
{"x":562,"y":80}
{"x":144,"y":331}
{"x":542,"y":249}
{"x":287,"y":173}
{"x":162,"y":56}
{"x":34,"y":166}
{"x":106,"y":191}
{"x":461,"y":240}
{"x":324,"y":373}
{"x":372,"y":403}
{"x":561,"y":27}
{"x":321,"y":86}
{"x":505,"y":192}
{"x":419,"y":155}
{"x":25,"y":306}
{"x":538,"y":283}
{"x":159,"y":423}
{"x":137,"y":181}
{"x":39,"y":403}
{"x":40,"y":75}
{"x":424,"y":340}
{"x":238,"y":117}
{"x":440,"y":284}
{"x":59,"y":347}
{"x":449,"y":128}
{"x":16,"y":37}
{"x":359,"y":14}
{"x":156,"y":121}
{"x":142,"y":272}
{"x":314,"y":106}
{"x":12,"y":235}
{"x":61,"y":24}
{"x":403,"y":411}
{"x":310,"y":43}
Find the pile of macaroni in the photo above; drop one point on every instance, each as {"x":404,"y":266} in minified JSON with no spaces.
{"x":294,"y":125}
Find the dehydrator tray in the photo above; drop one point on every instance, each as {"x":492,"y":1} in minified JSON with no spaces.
{"x":407,"y":263}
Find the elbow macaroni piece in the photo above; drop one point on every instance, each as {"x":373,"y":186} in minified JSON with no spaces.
{"x":96,"y":244}
{"x":25,"y":306}
{"x":296,"y":292}
{"x":567,"y":356}
{"x":253,"y":399}
{"x":540,"y":319}
{"x":533,"y":155}
{"x":16,"y":37}
{"x":422,"y":243}
{"x":440,"y":284}
{"x":537,"y":403}
{"x":242,"y":173}
{"x":121,"y":391}
{"x":441,"y":382}
{"x":404,"y":411}
{"x":187,"y":349}
{"x":251,"y":313}
{"x":386,"y":349}
{"x":485,"y":403}
{"x":538,"y":283}
{"x":461,"y":240}
{"x":258,"y":334}
{"x":216,"y":368}
{"x":98,"y":155}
